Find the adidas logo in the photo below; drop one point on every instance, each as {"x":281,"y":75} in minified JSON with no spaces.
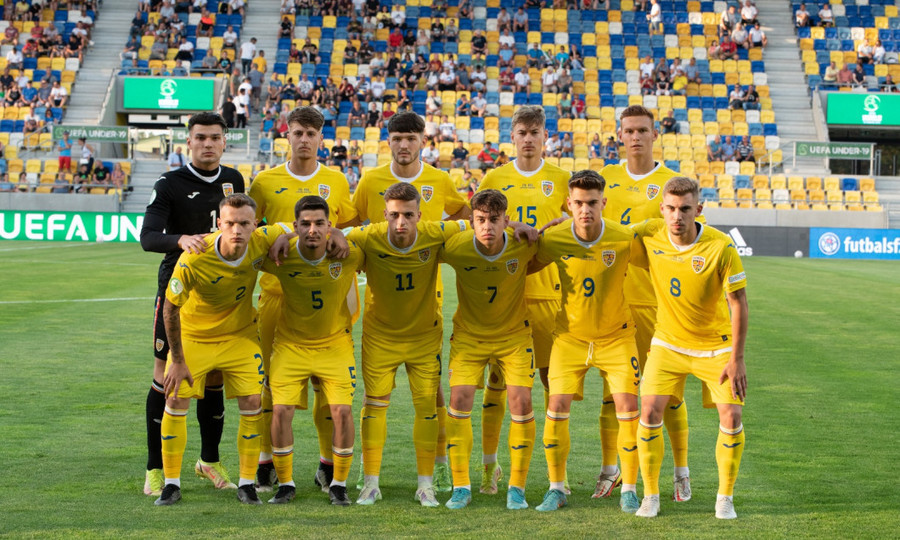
{"x":742,"y":248}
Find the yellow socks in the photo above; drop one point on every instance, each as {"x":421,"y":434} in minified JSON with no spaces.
{"x":324,"y":424}
{"x":556,"y":445}
{"x":173,"y":432}
{"x":729,"y":449}
{"x":627,"y":441}
{"x":440,"y":449}
{"x":521,"y":444}
{"x":248,"y":443}
{"x":283,"y":460}
{"x":425,"y":433}
{"x":459,"y":445}
{"x":493,"y":409}
{"x":265,"y":425}
{"x":373,"y":431}
{"x":609,"y":431}
{"x":342,"y":458}
{"x":675,"y":419}
{"x":651,"y":449}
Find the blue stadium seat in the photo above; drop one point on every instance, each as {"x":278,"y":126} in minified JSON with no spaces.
{"x":709,"y":194}
{"x":850,"y":184}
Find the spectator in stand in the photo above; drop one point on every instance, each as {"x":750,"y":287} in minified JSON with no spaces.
{"x":431,"y":155}
{"x":395,"y":40}
{"x":888,"y":85}
{"x":14,"y":59}
{"x":59,"y":96}
{"x":751,"y":99}
{"x":387,"y":112}
{"x":101,"y":174}
{"x":740,"y":37}
{"x":446,"y":80}
{"x":185,"y":50}
{"x":451,"y":33}
{"x":60,"y":183}
{"x":714,"y":149}
{"x":564,"y":106}
{"x":339,"y":153}
{"x":507,"y":80}
{"x":479,"y":105}
{"x":548,"y":81}
{"x":859,"y":76}
{"x":878,"y":52}
{"x":447,"y":130}
{"x":10,"y":36}
{"x":431,"y":128}
{"x":248,"y":52}
{"x":479,"y":43}
{"x":728,"y":49}
{"x":654,"y":17}
{"x":826,"y":16}
{"x":727,"y":149}
{"x":611,"y":150}
{"x":744,"y":150}
{"x":209,"y":61}
{"x":830,"y":75}
{"x":679,"y":83}
{"x":758,"y":37}
{"x":241,"y":101}
{"x":553,"y":146}
{"x":801,"y":16}
{"x":749,"y":13}
{"x":504,"y":21}
{"x":523,"y":81}
{"x":225,"y":64}
{"x":566,"y":146}
{"x":563,"y":80}
{"x":229,"y":111}
{"x":463,"y":106}
{"x":727,"y":21}
{"x":377,"y":88}
{"x":322,"y":154}
{"x":357,"y":116}
{"x":845,"y":76}
{"x":648,"y":85}
{"x":520,"y":21}
{"x":736,"y":97}
{"x":647,"y":66}
{"x":487,"y":156}
{"x":352,"y":177}
{"x":459,"y":157}
{"x":117,"y":177}
{"x":669,"y":124}
{"x":663,"y":84}
{"x":180,"y":70}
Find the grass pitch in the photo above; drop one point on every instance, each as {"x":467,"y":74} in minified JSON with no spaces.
{"x":75,"y":329}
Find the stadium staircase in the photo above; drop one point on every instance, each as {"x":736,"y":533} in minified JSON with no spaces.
{"x":790,"y":97}
{"x":92,"y":82}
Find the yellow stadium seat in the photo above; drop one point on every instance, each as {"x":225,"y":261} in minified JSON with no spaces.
{"x":813,"y":183}
{"x":832,"y":183}
{"x":867,"y":184}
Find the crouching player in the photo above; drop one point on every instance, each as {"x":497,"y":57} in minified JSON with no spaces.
{"x":593,"y":329}
{"x":312,"y":339}
{"x":211,"y":324}
{"x":694,"y":268}
{"x":490,"y":326}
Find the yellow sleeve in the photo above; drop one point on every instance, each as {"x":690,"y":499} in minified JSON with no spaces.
{"x":346,"y":210}
{"x":358,"y":236}
{"x":638,"y":249}
{"x":453,"y":200}
{"x":256,"y":193}
{"x":734,"y":277}
{"x":360,"y":199}
{"x":180,"y":284}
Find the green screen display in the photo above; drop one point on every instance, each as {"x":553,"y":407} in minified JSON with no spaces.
{"x":863,"y":109}
{"x":168,"y":93}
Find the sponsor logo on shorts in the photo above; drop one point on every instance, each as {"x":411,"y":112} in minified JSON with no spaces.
{"x":547,"y":187}
{"x":737,"y":277}
{"x":324,"y":190}
{"x":698,"y":262}
{"x":609,"y":257}
{"x":427,"y":193}
{"x":652,"y":191}
{"x":512,"y":265}
{"x":334,"y":270}
{"x":424,"y":254}
{"x":159,"y":345}
{"x":228,"y":189}
{"x":175,"y":286}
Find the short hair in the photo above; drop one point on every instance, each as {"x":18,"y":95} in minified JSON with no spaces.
{"x":682,"y":185}
{"x":637,"y":110}
{"x":207,"y":118}
{"x":587,"y":179}
{"x":406,"y":122}
{"x":529,"y":115}
{"x":490,"y":201}
{"x":307,"y":117}
{"x":311,"y":202}
{"x":401,"y":191}
{"x":237,"y":200}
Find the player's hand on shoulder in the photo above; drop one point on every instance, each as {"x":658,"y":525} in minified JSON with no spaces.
{"x":337,"y":245}
{"x":522,"y":232}
{"x":281,"y":247}
{"x":192,"y":243}
{"x":553,"y":222}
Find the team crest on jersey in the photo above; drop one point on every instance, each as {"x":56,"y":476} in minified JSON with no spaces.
{"x":512,"y":265}
{"x":324,"y":190}
{"x":698,"y":263}
{"x":424,"y":254}
{"x":258,"y":263}
{"x":547,"y":187}
{"x":334,"y":269}
{"x":652,"y":191}
{"x":159,"y":345}
{"x":609,"y":257}
{"x":427,"y":193}
{"x":228,"y":189}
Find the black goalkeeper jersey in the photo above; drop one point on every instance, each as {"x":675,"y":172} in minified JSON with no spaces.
{"x":184,"y":203}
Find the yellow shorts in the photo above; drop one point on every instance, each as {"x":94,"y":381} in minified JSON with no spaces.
{"x":541,"y":315}
{"x":382,"y":356}
{"x":238,"y":359}
{"x":292,"y":365}
{"x":615,"y":358}
{"x":645,"y":322}
{"x":667,"y":370}
{"x":513,"y":356}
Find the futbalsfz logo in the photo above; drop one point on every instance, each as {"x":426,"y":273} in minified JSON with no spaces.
{"x":742,"y":248}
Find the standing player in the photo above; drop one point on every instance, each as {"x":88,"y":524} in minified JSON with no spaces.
{"x":536,"y":191}
{"x":276,"y":191}
{"x":490,"y":326}
{"x":439,"y":200}
{"x":184,"y":207}
{"x":211,"y":325}
{"x":693,"y":268}
{"x":314,"y":325}
{"x":402,"y":324}
{"x":634,"y":193}
{"x":594,"y":329}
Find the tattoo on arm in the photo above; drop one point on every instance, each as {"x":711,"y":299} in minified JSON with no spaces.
{"x":172,"y":319}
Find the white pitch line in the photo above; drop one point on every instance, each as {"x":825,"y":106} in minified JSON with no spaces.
{"x":56,"y":246}
{"x":76,"y":300}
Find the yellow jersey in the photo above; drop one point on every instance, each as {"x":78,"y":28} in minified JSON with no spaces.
{"x":216,"y":295}
{"x":277,"y":190}
{"x":402,"y":281}
{"x":630,"y":200}
{"x":592,"y":275}
{"x":439,"y":196}
{"x":535,"y":199}
{"x":491,"y":289}
{"x":315,"y":292}
{"x":690,"y":284}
